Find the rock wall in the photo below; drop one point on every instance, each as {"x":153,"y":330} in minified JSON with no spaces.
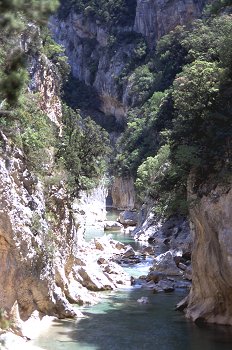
{"x":86,"y":44}
{"x":155,"y":18}
{"x":28,"y":242}
{"x":92,"y":204}
{"x":97,"y":61}
{"x":44,"y":76}
{"x":123,"y":193}
{"x":44,"y":80}
{"x":210,"y":298}
{"x":46,"y":266}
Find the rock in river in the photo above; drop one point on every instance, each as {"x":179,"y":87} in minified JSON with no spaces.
{"x":112,"y":226}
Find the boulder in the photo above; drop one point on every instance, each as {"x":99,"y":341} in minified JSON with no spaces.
{"x":143,"y":300}
{"x":188,"y":273}
{"x":109,"y":246}
{"x":147,"y":251}
{"x":128,"y":218}
{"x":182,"y":266}
{"x":163,"y":286}
{"x":165,"y":263}
{"x":182,"y":284}
{"x":181,"y":306}
{"x":116,"y":274}
{"x":157,"y":289}
{"x":129,"y":252}
{"x":112,"y":226}
{"x":94,"y":281}
{"x":166,"y":286}
{"x":102,"y":261}
{"x":154,"y":276}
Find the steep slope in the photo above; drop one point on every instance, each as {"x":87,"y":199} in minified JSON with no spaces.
{"x":210,"y":296}
{"x":45,"y":262}
{"x":155,"y":18}
{"x":101,"y":54}
{"x":177,"y":101}
{"x":109,"y":55}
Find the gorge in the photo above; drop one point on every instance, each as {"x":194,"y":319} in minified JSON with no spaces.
{"x":129,"y":104}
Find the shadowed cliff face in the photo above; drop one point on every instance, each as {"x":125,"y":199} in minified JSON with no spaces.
{"x":98,"y":62}
{"x":210,"y":298}
{"x":155,"y":18}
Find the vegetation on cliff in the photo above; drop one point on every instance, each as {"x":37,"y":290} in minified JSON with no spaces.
{"x":24,"y":40}
{"x":105,"y":11}
{"x":83,"y":150}
{"x":188,"y":114}
{"x":47,"y":157}
{"x":177,"y":92}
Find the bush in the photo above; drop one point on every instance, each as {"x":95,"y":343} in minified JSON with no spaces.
{"x":37,"y":133}
{"x":84,"y":149}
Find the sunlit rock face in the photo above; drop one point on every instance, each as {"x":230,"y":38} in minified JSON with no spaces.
{"x":44,"y":77}
{"x":45,"y":81}
{"x":155,"y":18}
{"x":123,"y":193}
{"x":210,"y":298}
{"x":32,"y":252}
{"x":92,"y":204}
{"x":41,"y":229}
{"x":45,"y":263}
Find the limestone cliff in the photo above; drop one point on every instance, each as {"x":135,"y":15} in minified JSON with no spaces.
{"x":154,"y":18}
{"x":28,"y":243}
{"x":123,"y":193}
{"x":45,"y":264}
{"x":86,"y":44}
{"x":100,"y":57}
{"x":92,"y":204}
{"x":210,"y":298}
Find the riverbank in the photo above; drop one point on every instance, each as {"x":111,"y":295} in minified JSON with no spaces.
{"x":120,"y":321}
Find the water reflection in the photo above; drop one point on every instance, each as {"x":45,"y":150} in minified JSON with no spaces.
{"x":120,"y":322}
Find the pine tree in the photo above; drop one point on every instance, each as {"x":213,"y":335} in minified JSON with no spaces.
{"x":14,"y":14}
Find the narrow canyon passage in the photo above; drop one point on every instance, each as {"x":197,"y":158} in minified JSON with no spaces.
{"x":120,"y":322}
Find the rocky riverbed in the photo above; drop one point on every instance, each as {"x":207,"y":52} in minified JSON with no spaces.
{"x":104,"y":264}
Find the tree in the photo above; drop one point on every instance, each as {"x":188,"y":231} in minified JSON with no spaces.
{"x":14,"y":14}
{"x":84,"y":150}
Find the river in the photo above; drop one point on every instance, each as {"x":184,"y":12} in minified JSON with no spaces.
{"x":119,"y":322}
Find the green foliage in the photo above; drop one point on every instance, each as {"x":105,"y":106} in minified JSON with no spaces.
{"x":169,"y":57}
{"x":140,"y":84}
{"x":13,"y":75}
{"x":141,"y":138}
{"x":55,"y":53}
{"x":33,"y":10}
{"x":217,"y":6}
{"x":14,"y":15}
{"x":159,"y":178}
{"x":34,"y":133}
{"x":192,"y":119}
{"x":203,"y":119}
{"x":84,"y":150}
{"x":5,"y":322}
{"x":150,"y":172}
{"x":196,"y":88}
{"x":105,"y":11}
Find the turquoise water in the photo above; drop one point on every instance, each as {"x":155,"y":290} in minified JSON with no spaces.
{"x":119,"y":322}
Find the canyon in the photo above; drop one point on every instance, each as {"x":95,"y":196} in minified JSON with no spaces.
{"x":47,"y":266}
